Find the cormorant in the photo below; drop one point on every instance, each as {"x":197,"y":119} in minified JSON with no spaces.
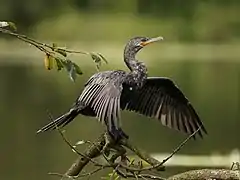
{"x":106,"y":93}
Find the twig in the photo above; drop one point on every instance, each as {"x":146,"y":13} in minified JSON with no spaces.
{"x":67,"y":142}
{"x":151,"y":176}
{"x":38,"y":44}
{"x":62,"y":175}
{"x":144,"y":176}
{"x":92,"y":172}
{"x":136,"y":176}
{"x":114,"y":172}
{"x":83,"y":158}
{"x":179,"y":147}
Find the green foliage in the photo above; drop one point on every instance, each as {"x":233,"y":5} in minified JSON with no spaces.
{"x":12,"y":26}
{"x":98,"y":58}
{"x":112,"y":176}
{"x":71,"y":69}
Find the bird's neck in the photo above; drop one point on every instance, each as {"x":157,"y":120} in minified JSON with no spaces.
{"x":138,"y":74}
{"x":130,"y":60}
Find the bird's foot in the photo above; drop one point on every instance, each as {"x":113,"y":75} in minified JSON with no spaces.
{"x":111,"y":139}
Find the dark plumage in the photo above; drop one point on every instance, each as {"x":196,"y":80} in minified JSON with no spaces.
{"x":106,"y":93}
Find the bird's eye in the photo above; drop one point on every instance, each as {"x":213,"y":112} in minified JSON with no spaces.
{"x":143,"y":42}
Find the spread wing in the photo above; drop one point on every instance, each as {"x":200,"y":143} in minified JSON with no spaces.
{"x":102,"y":93}
{"x":161,"y":99}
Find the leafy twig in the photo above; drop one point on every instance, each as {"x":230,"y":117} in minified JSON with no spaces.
{"x":55,"y":57}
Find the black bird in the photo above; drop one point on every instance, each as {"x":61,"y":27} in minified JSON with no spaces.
{"x":106,"y":93}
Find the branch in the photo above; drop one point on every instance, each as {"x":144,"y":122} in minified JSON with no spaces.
{"x":219,"y":174}
{"x":91,"y":152}
{"x":94,"y":150}
{"x":105,"y":143}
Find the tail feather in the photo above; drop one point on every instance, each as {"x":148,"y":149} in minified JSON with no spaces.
{"x":60,"y":121}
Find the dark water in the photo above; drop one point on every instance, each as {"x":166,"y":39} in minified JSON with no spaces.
{"x":27,"y":91}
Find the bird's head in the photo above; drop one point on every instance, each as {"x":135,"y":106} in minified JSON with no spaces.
{"x":137,"y":43}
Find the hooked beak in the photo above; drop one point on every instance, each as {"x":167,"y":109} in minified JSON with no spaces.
{"x":152,"y":40}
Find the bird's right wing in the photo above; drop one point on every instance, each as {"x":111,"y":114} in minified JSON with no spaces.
{"x":102,"y":93}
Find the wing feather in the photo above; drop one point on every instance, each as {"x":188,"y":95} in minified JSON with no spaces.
{"x":161,"y":98}
{"x":102,"y":94}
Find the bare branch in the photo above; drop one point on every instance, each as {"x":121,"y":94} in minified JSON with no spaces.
{"x":180,"y":146}
{"x":207,"y":174}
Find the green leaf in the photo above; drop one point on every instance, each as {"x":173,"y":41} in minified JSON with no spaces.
{"x":48,"y":61}
{"x":103,"y":58}
{"x":112,"y":176}
{"x":98,"y":58}
{"x":72,"y":68}
{"x":12,"y":26}
{"x":95,"y":57}
{"x":78,"y":70}
{"x":72,"y":73}
{"x":69,"y":66}
{"x":59,"y":64}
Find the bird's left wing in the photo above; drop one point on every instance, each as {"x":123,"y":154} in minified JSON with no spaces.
{"x":160,"y":98}
{"x":102,"y":94}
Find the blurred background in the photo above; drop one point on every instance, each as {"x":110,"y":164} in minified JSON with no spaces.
{"x":200,"y":53}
